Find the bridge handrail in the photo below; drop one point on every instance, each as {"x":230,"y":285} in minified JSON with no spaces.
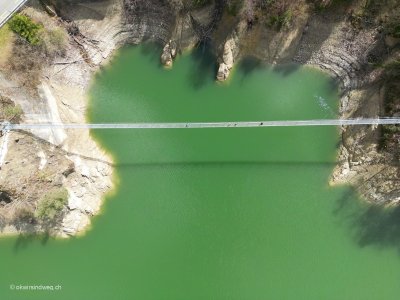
{"x":238,"y":124}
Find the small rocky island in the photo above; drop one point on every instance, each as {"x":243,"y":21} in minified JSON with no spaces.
{"x":53,"y":181}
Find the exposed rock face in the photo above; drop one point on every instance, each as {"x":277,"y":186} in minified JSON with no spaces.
{"x":337,"y":48}
{"x":149,"y":20}
{"x":334,"y":40}
{"x":191,"y":26}
{"x":345,"y":52}
{"x":41,"y":160}
{"x":226,"y":65}
{"x":230,"y":52}
{"x":169,"y":53}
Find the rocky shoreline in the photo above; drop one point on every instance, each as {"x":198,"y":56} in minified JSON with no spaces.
{"x":43,"y":159}
{"x":327,"y":39}
{"x":350,"y":41}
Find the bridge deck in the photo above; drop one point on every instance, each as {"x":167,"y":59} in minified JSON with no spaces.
{"x":287,"y":123}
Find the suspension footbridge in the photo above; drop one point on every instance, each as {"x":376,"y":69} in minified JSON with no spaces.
{"x":182,"y":125}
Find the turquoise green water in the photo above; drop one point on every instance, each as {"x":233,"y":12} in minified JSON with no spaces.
{"x":239,"y":213}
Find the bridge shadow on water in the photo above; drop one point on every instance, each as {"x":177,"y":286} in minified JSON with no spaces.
{"x":369,"y":225}
{"x":261,"y":164}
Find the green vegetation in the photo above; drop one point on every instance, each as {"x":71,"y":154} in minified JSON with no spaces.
{"x":12,"y":112}
{"x":233,"y":7}
{"x":196,"y":3}
{"x":396,"y":31}
{"x":5,"y":35}
{"x":24,"y":214}
{"x":393,"y":29}
{"x":280,"y":21}
{"x":53,"y":42}
{"x":51,"y":205}
{"x":390,"y":134}
{"x":272,"y":13}
{"x":200,"y":2}
{"x":26,"y":28}
{"x":36,"y":46}
{"x":44,"y":176}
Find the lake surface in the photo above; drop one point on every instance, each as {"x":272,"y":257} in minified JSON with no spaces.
{"x":229,"y":213}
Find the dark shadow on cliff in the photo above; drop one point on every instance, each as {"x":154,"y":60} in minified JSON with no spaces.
{"x":149,"y":20}
{"x":204,"y":65}
{"x":369,"y":225}
{"x":333,"y":85}
{"x":73,"y":10}
{"x":319,"y":28}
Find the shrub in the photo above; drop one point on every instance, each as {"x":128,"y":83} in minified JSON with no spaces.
{"x":12,"y":112}
{"x":26,"y":28}
{"x":51,"y":205}
{"x":393,"y":29}
{"x":281,"y":20}
{"x":24,"y":214}
{"x":233,"y":7}
{"x":199,"y":3}
{"x":53,"y":42}
{"x":190,"y":4}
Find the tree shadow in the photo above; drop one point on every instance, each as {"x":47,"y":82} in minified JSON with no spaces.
{"x":370,"y":225}
{"x":333,"y":85}
{"x":286,"y":69}
{"x":25,"y":239}
{"x":342,"y":204}
{"x":250,"y":64}
{"x":379,"y":226}
{"x":204,"y":65}
{"x":42,"y":234}
{"x":153,"y":50}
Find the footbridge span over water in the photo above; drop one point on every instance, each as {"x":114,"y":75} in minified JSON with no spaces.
{"x":285,"y":123}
